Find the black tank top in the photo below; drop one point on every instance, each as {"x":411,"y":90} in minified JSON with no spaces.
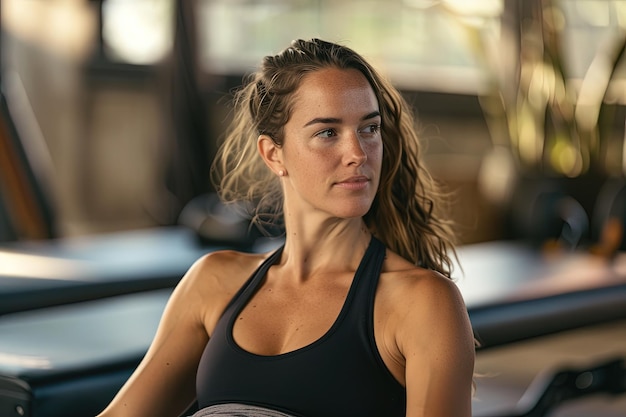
{"x":339,"y":375}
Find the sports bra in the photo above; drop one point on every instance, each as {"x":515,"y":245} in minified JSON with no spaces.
{"x":340,"y":374}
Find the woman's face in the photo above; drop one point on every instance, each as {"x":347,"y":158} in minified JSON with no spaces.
{"x":332,"y":149}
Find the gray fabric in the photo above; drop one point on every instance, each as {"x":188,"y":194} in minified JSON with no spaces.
{"x":238,"y":410}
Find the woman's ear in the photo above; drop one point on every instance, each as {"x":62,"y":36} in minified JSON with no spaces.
{"x":271,"y":154}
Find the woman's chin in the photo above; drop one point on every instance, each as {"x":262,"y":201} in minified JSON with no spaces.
{"x":352,"y":212}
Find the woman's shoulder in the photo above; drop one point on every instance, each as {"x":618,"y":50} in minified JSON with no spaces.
{"x":418,"y":291}
{"x":425,"y":308}
{"x":229,"y":259}
{"x":215,"y":277}
{"x":226,"y":269}
{"x":404,"y":272}
{"x":213,"y":280}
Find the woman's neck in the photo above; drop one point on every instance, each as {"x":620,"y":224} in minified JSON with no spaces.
{"x":328,"y":246}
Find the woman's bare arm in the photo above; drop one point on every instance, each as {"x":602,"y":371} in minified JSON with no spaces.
{"x":437,"y":343}
{"x":163,"y":385}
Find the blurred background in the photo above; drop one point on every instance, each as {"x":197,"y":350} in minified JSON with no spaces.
{"x":112,"y":111}
{"x":117,"y":106}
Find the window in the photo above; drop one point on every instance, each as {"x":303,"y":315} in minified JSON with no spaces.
{"x":590,"y":26}
{"x":418,"y":43}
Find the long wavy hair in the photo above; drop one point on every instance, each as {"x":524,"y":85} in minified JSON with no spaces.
{"x":406,"y":214}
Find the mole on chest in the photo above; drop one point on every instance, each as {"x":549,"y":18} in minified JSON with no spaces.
{"x":271,"y":324}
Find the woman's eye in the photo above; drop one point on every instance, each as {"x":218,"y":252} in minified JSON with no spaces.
{"x":326,"y":133}
{"x":371,"y":129}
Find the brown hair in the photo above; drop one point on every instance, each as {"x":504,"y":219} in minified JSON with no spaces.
{"x":406,"y":213}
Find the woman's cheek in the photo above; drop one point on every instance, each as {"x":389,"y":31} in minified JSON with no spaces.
{"x":375,"y":150}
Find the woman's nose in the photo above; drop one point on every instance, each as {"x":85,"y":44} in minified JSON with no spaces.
{"x":355,"y":153}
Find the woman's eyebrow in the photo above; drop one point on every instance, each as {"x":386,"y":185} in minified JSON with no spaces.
{"x":322,"y":120}
{"x":330,"y":120}
{"x":371,"y":115}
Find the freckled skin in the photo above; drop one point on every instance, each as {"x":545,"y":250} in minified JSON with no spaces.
{"x":318,"y":156}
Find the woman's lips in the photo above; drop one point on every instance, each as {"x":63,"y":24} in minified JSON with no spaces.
{"x":354,"y":183}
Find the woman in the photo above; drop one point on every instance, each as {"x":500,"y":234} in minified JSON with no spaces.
{"x":355,"y":315}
